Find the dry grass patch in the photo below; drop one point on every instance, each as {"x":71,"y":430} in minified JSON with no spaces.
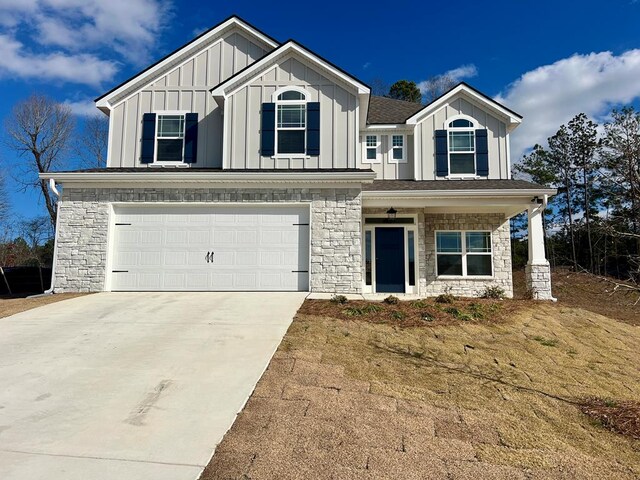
{"x":522,"y":375}
{"x":11,"y":306}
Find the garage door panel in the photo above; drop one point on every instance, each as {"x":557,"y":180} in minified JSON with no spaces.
{"x":211,"y":248}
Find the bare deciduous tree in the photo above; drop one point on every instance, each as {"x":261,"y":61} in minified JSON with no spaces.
{"x":379,"y":87}
{"x":434,"y":87}
{"x":40,"y":130}
{"x":4,"y":201}
{"x":92,"y":144}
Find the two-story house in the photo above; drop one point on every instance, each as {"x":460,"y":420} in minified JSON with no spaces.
{"x":241,"y":163}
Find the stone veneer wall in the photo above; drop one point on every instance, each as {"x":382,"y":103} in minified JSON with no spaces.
{"x":336,"y":252}
{"x":468,"y":286}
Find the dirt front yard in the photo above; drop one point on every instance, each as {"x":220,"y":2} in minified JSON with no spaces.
{"x":12,"y":305}
{"x":472,"y":399}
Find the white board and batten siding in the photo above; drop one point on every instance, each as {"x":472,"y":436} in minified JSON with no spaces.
{"x":184,"y":88}
{"x":387,"y":168}
{"x":338,"y":117}
{"x":204,"y":248}
{"x":459,"y":105}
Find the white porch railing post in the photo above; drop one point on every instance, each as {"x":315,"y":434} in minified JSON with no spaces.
{"x":538,"y":270}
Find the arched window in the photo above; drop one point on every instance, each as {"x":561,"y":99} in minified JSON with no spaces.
{"x":462,"y":146}
{"x":291,"y":120}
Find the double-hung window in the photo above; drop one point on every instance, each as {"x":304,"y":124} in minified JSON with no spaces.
{"x":398,"y":149}
{"x":462,"y":147}
{"x":371,"y":149}
{"x":291,"y":122}
{"x":170,"y":138}
{"x":467,"y":254}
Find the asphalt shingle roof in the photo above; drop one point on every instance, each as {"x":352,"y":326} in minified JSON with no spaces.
{"x":383,"y":110}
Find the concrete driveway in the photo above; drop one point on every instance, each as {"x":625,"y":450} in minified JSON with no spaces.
{"x":131,"y":385}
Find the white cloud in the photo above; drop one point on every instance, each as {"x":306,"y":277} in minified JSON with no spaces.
{"x":77,"y":41}
{"x":462,"y":72}
{"x":82,"y":108}
{"x":551,"y":95}
{"x":79,"y":68}
{"x":456,"y":74}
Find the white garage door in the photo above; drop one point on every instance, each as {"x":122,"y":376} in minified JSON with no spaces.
{"x":211,"y":248}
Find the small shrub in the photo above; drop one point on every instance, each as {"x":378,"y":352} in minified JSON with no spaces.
{"x":371,"y":308}
{"x":465,"y":317}
{"x":445,"y":298}
{"x":476,"y":310}
{"x":353,"y":312}
{"x":397,"y":315}
{"x":339,"y":299}
{"x":391,"y":300}
{"x":494,"y":291}
{"x":452,"y":311}
{"x":427,"y":317}
{"x":419,"y":304}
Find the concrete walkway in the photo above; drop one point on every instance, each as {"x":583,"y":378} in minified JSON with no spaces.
{"x":131,"y":385}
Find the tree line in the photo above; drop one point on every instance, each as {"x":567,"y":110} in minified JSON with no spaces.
{"x":593,"y":223}
{"x":44,"y":136}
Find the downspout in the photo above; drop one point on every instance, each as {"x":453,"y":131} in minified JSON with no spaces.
{"x":56,"y":192}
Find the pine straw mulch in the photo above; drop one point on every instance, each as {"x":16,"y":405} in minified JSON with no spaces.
{"x":417,"y":313}
{"x":620,"y":417}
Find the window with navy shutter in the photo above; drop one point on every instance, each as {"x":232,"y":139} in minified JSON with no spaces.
{"x":313,"y":128}
{"x":482,"y":153}
{"x":268,"y":129}
{"x":190,"y":137}
{"x":442,"y":158}
{"x":148,"y":137}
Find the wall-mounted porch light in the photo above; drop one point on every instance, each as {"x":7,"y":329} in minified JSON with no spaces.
{"x":391,"y":213}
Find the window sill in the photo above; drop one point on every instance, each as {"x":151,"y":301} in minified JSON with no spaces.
{"x":396,"y":162}
{"x":372,"y":162}
{"x":470,"y":176}
{"x":180,"y":164}
{"x":465,"y":277}
{"x":296,"y":156}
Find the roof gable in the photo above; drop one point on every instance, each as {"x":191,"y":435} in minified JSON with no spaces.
{"x":183,"y":53}
{"x":257,"y":68}
{"x":511,"y":118}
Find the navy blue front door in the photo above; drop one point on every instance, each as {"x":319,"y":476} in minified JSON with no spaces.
{"x":390,"y":260}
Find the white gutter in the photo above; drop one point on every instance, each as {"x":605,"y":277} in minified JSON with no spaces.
{"x":54,"y":189}
{"x":210,"y":177}
{"x":512,"y":192}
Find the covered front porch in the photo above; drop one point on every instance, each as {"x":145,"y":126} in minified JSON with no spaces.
{"x":428,"y":242}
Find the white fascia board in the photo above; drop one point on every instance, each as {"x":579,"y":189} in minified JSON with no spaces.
{"x":514,"y":120}
{"x":388,"y":127}
{"x":493,"y":193}
{"x":104,"y":104}
{"x":248,"y":74}
{"x":179,"y":178}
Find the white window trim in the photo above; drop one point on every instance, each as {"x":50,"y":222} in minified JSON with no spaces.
{"x":464,"y":254}
{"x":461,"y":129}
{"x":160,"y":113}
{"x":408,"y":289}
{"x":274,"y":99}
{"x":404,"y":148}
{"x":378,"y":147}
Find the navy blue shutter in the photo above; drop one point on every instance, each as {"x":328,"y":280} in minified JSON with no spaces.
{"x":267,"y":143}
{"x":482,"y":153}
{"x":313,"y":128}
{"x":148,"y":137}
{"x":442,"y":154}
{"x":190,"y":137}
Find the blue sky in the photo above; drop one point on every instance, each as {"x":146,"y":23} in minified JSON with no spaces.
{"x":548,"y":60}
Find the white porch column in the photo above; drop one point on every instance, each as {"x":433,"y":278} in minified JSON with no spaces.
{"x":537,"y":271}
